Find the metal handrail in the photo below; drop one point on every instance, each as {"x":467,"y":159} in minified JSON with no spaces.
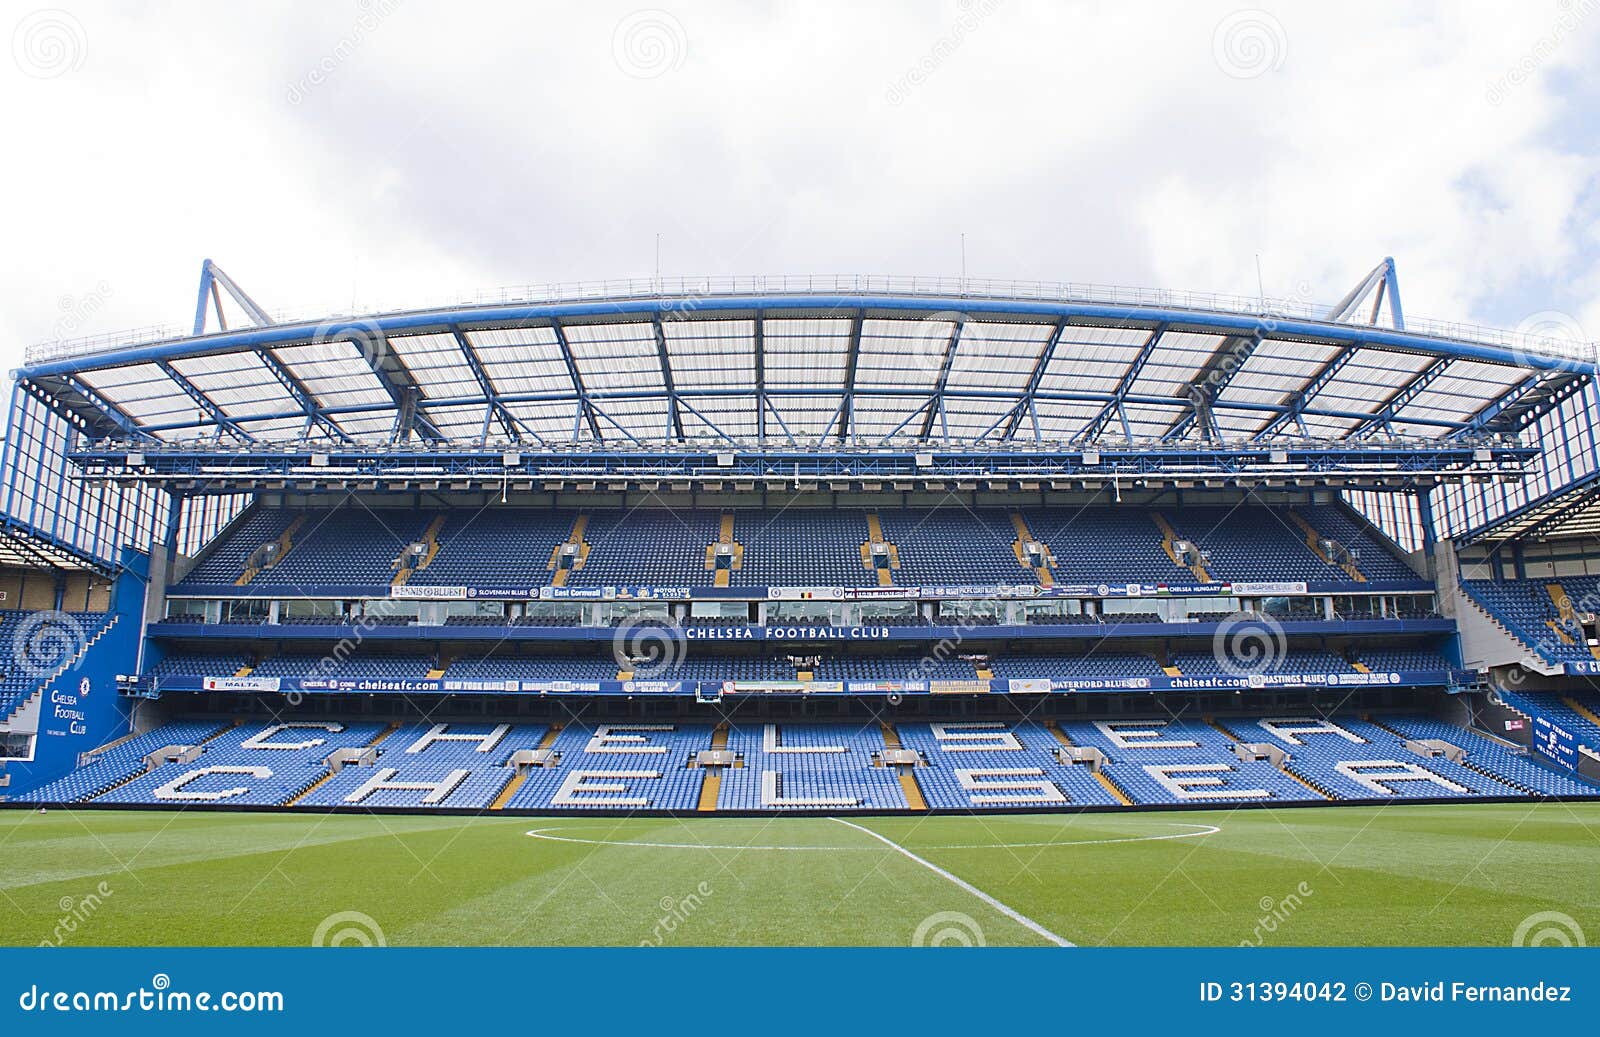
{"x":685,"y":290}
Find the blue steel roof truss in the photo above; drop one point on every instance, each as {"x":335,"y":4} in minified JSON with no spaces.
{"x":1017,"y":404}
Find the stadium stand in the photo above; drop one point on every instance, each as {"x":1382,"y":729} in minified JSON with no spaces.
{"x":648,"y":766}
{"x":358,"y":546}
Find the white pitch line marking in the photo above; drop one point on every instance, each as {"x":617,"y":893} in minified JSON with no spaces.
{"x":1016,"y":916}
{"x":1199,"y":831}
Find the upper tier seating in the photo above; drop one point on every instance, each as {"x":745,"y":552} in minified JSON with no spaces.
{"x":1525,"y":608}
{"x":355,"y":546}
{"x":1374,"y":557}
{"x":1249,"y":539}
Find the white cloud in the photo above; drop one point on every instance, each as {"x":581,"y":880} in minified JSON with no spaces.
{"x":446,"y":150}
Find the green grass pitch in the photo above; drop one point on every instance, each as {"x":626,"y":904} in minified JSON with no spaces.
{"x":1445,"y":875}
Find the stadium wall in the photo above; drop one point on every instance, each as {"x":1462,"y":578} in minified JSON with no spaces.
{"x":81,"y":709}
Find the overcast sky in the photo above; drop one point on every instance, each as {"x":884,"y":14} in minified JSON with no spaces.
{"x":354,"y":153}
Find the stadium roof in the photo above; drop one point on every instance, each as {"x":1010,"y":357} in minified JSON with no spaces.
{"x":816,"y":363}
{"x":1572,"y":511}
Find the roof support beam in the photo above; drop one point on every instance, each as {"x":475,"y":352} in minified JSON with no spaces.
{"x":295,"y":388}
{"x":1097,"y":424}
{"x":943,"y":380}
{"x":211,"y":276}
{"x":1396,"y":403}
{"x":1035,"y":377}
{"x":204,"y":402}
{"x":674,"y":419}
{"x":847,"y":414}
{"x":585,"y":408}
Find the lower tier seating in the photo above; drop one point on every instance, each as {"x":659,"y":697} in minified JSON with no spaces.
{"x":637,"y":766}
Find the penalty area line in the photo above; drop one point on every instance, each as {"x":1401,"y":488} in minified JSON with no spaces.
{"x":1011,"y":913}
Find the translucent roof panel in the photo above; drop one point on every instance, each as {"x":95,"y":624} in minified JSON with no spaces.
{"x":522,"y":361}
{"x":335,"y":373}
{"x":1362,"y":385}
{"x":553,"y":421}
{"x":616,"y":357}
{"x":1150,"y":422}
{"x":807,"y":417}
{"x":437,"y":365}
{"x":144,"y":393}
{"x":280,"y":430}
{"x":240,"y":384}
{"x":903,"y":354}
{"x":805,"y":352}
{"x":1175,"y":363}
{"x":645,"y":420}
{"x":711,"y":354}
{"x":1092,"y":360}
{"x":879,"y":416}
{"x":462,"y":422}
{"x":1460,"y":391}
{"x":734,"y":416}
{"x":1059,"y":420}
{"x":997,"y":356}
